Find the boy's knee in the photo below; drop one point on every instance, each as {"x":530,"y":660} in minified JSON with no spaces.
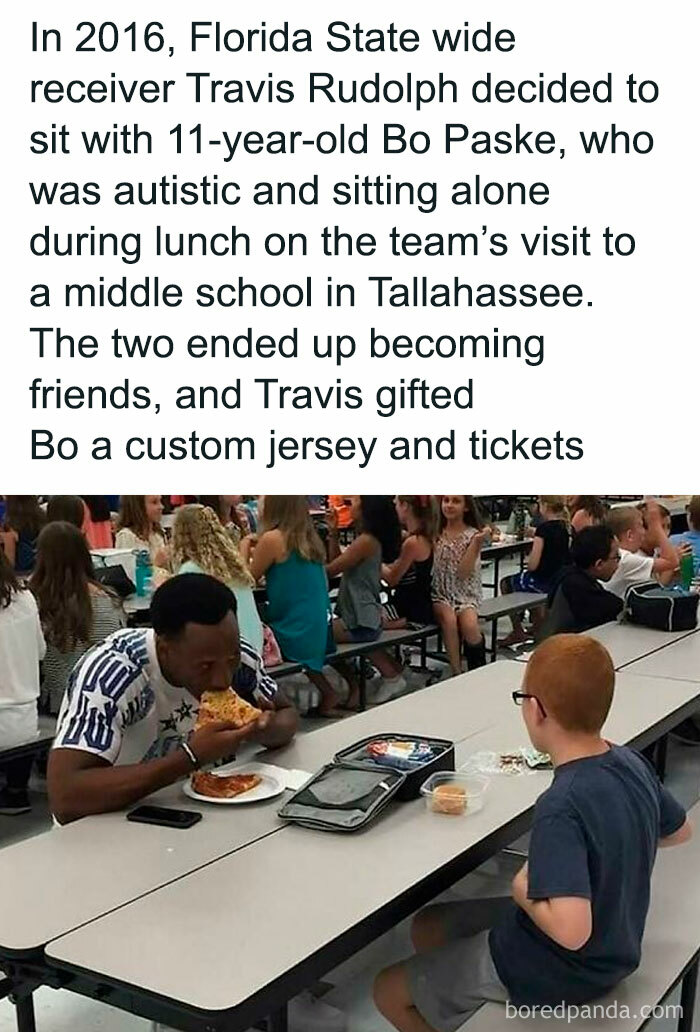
{"x":383,"y":991}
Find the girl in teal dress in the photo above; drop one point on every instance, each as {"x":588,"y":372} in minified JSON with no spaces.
{"x":290,"y":556}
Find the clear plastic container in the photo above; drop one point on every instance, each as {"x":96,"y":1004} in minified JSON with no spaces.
{"x":454,"y":793}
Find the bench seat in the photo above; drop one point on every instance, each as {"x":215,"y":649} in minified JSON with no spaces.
{"x":669,"y":955}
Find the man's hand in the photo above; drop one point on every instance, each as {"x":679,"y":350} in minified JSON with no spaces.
{"x":519,"y":887}
{"x":220,"y":739}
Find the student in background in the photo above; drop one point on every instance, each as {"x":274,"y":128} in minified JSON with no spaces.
{"x":290,"y":556}
{"x":578,"y":599}
{"x":586,"y":511}
{"x":97,"y":522}
{"x":24,"y":519}
{"x":572,"y":928}
{"x":66,"y":509}
{"x":411,"y":573}
{"x":138,"y":526}
{"x":342,"y":506}
{"x":634,"y":567}
{"x":456,"y":589}
{"x":548,"y":557}
{"x":359,"y":611}
{"x":201,"y":544}
{"x":76,"y":611}
{"x":21,"y":650}
{"x":649,"y":547}
{"x":692,"y":535}
{"x":231,"y":512}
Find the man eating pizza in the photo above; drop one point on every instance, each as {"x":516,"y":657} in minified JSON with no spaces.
{"x":128,"y":724}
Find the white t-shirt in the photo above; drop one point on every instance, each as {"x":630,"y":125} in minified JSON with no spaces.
{"x":119,"y":705}
{"x":127,"y":538}
{"x":633,"y":568}
{"x":22,"y":647}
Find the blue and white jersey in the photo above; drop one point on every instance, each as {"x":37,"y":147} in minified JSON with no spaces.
{"x":119,"y":706}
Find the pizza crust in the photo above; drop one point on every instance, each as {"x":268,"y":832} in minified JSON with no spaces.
{"x":224,"y":786}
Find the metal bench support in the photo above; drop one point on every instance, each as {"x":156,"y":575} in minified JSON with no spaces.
{"x":689,"y":987}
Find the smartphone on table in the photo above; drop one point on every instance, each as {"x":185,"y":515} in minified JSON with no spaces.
{"x":164,"y":816}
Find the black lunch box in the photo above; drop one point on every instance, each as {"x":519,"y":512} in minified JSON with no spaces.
{"x":415,"y":776}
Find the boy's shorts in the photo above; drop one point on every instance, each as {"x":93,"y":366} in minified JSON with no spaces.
{"x":526,"y":581}
{"x":449,"y":984}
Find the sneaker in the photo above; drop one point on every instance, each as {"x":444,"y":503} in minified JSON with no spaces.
{"x":13,"y":803}
{"x":389,"y":688}
{"x":687,"y":732}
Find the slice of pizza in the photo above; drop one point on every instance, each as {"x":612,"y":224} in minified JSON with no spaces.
{"x":228,"y":706}
{"x":224,"y":786}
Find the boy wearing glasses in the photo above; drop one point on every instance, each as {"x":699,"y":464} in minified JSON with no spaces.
{"x":579,"y":600}
{"x":573,"y":927}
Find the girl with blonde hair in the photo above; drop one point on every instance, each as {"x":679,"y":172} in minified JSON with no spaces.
{"x":290,"y":556}
{"x":201,"y":544}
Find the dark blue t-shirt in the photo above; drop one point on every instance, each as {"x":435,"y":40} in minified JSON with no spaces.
{"x":594,"y":836}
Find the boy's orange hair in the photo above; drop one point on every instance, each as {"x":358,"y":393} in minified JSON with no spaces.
{"x":573,"y":677}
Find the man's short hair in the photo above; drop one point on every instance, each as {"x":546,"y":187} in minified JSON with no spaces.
{"x":623,"y":519}
{"x":694,"y":512}
{"x":573,"y":677}
{"x":591,"y":545}
{"x":190,"y":598}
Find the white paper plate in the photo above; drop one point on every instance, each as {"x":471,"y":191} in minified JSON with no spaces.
{"x":269,"y":788}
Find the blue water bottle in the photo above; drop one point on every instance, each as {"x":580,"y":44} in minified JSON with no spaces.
{"x":143,"y":572}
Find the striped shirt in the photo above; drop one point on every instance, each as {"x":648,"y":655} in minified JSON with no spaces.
{"x":120,"y":707}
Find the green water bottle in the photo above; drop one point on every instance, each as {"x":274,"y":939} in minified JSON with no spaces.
{"x":687,"y":570}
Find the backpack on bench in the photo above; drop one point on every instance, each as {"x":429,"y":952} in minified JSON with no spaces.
{"x":665,"y":609}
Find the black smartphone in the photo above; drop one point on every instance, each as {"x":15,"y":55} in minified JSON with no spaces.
{"x":164,"y":816}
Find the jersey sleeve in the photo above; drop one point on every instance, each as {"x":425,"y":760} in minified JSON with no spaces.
{"x":94,"y":713}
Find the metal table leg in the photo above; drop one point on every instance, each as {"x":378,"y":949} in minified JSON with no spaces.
{"x":277,"y":1021}
{"x":496,"y":577}
{"x":25,"y":1013}
{"x":689,"y":987}
{"x":661,"y":755}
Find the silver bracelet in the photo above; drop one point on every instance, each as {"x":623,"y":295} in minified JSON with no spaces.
{"x":190,"y":755}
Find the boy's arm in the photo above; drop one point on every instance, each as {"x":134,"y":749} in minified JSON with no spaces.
{"x":678,"y":838}
{"x":666,"y":565}
{"x":674,"y":826}
{"x":567,"y":920}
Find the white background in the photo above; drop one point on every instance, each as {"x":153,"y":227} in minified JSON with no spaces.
{"x":621,"y":374}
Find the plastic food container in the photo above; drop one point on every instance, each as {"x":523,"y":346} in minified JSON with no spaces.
{"x":456,"y":795}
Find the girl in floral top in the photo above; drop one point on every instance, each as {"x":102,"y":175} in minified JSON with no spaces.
{"x":457,"y":581}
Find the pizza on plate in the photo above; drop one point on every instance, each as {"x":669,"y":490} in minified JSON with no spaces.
{"x":224,"y":786}
{"x":228,"y":706}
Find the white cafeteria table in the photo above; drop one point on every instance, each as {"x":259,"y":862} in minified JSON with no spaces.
{"x":234,"y":939}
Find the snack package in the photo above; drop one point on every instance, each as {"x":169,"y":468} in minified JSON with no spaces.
{"x":400,"y":755}
{"x":525,"y":760}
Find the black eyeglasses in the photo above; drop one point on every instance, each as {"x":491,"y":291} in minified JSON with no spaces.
{"x":518,"y":698}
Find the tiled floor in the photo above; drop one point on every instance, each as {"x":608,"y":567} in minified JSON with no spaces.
{"x":64,"y":1012}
